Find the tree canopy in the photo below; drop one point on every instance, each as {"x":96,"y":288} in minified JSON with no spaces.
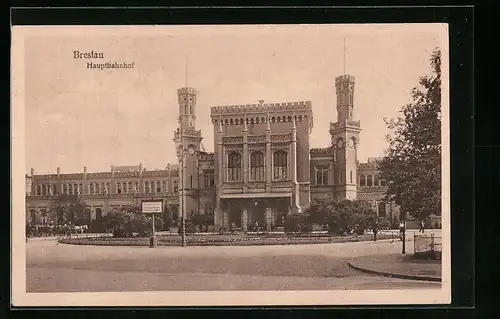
{"x":69,"y":208}
{"x":340,"y":216}
{"x":412,"y":162}
{"x":129,"y":220}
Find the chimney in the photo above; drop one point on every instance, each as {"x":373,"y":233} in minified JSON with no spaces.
{"x":85,"y":170}
{"x":58,"y":170}
{"x":32,"y":171}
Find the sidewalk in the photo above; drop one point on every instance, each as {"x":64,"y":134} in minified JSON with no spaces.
{"x":398,"y":266}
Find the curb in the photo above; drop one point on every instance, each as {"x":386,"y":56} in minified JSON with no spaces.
{"x":394,"y":275}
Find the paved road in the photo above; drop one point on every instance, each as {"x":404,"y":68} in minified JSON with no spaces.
{"x":53,"y":267}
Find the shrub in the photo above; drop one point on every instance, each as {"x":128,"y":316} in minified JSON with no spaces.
{"x":168,"y":222}
{"x":129,"y":221}
{"x":190,"y":228}
{"x":297,"y":223}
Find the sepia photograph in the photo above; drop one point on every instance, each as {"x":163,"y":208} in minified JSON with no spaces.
{"x":230,"y":165}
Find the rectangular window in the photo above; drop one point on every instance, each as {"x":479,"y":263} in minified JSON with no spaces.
{"x":321,"y":175}
{"x":208,"y":179}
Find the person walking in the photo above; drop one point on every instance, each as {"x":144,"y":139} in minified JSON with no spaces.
{"x":375,"y":229}
{"x":422,"y":227}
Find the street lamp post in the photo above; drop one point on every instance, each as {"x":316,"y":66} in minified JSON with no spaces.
{"x":182,"y":153}
{"x":402,"y":227}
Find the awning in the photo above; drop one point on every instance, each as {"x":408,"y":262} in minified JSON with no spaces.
{"x":255,"y":195}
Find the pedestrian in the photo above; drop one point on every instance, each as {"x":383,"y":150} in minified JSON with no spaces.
{"x":375,"y":228}
{"x":422,"y":226}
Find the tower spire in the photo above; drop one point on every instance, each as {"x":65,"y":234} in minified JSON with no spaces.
{"x":186,"y":71}
{"x":344,"y":56}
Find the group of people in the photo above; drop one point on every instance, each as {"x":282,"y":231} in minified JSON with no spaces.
{"x":54,"y":230}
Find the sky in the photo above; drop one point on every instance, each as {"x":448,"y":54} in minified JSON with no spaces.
{"x":78,"y":117}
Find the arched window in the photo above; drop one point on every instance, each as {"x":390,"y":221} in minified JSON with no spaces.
{"x":54,"y":189}
{"x":38,"y":190}
{"x":98,"y":188}
{"x":280,"y":165}
{"x":369,"y":181}
{"x":65,"y":189}
{"x":382,"y":182}
{"x":375,"y":180}
{"x":70,"y":191}
{"x":147,"y":188}
{"x":91,"y":187}
{"x":257,"y":166}
{"x":362,"y":180}
{"x":234,"y":167}
{"x":118,"y":188}
{"x":381,"y":209}
{"x":130,"y":190}
{"x":44,"y":190}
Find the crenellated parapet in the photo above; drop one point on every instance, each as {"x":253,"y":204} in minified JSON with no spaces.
{"x":260,"y":108}
{"x":155,"y":173}
{"x":344,"y":79}
{"x":326,"y":151}
{"x":368,"y":166}
{"x":208,"y":157}
{"x":186,"y":90}
{"x":344,"y":124}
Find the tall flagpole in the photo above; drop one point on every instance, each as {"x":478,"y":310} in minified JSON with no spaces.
{"x":344,"y":55}
{"x":186,"y":72}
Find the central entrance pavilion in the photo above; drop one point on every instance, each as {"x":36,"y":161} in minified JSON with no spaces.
{"x":264,"y":209}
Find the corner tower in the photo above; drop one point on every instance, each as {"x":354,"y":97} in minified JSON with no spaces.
{"x":187,"y":107}
{"x":186,"y":134}
{"x":345,"y":140}
{"x":188,"y":143}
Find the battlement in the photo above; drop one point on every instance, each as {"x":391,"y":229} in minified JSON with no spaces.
{"x":186,"y":90}
{"x":321,"y":151}
{"x":260,"y":108}
{"x":207,"y":156}
{"x":346,"y":123}
{"x":344,"y":79}
{"x":368,"y":166}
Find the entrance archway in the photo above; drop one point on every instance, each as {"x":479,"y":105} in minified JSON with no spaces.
{"x":235,"y":214}
{"x":98,"y":215}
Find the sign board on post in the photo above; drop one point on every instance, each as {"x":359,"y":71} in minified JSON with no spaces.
{"x":152,"y":207}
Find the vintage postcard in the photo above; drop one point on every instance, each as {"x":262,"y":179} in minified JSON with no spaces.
{"x":230,"y":165}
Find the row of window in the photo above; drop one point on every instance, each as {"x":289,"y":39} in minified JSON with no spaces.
{"x":364,"y":180}
{"x":371,"y":181}
{"x":104,"y":188}
{"x":257,"y":166}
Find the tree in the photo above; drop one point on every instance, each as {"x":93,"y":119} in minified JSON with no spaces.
{"x":341,"y":216}
{"x":69,"y":208}
{"x":129,"y":220}
{"x":412,"y":162}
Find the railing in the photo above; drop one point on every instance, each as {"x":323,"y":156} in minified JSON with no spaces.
{"x":427,"y":245}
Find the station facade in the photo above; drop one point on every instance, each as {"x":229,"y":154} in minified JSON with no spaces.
{"x":262,"y":167}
